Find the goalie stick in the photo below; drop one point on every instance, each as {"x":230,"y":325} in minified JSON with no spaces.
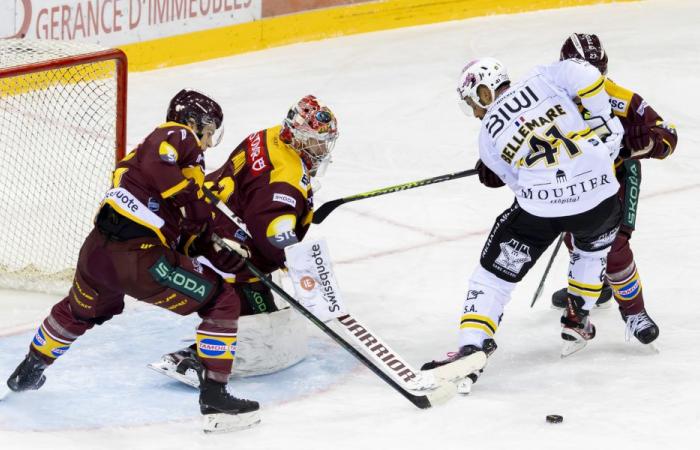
{"x":421,"y":401}
{"x":324,"y":210}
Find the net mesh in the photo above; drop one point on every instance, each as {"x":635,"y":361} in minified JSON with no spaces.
{"x":57,"y":150}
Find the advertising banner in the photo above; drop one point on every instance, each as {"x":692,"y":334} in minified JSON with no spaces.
{"x":118,"y":22}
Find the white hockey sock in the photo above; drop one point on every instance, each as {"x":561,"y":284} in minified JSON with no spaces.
{"x":483,"y":307}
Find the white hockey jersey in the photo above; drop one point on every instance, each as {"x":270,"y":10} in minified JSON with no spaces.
{"x":534,"y":138}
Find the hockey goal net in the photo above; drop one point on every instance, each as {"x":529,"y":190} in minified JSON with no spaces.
{"x":62,"y":125}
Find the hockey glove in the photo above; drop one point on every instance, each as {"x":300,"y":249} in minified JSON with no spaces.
{"x":487,"y":177}
{"x":229,"y":259}
{"x":195,"y":216}
{"x":644,"y":141}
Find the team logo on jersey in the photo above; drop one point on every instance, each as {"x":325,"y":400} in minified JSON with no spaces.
{"x":282,"y":198}
{"x":167,"y":152}
{"x":472,"y":294}
{"x":153,"y":204}
{"x":561,"y":176}
{"x":240,"y":235}
{"x":256,"y":156}
{"x":570,"y":193}
{"x":618,"y":105}
{"x":280,"y":232}
{"x":642,"y":107}
{"x":604,"y":240}
{"x":514,"y":255}
{"x":196,"y":265}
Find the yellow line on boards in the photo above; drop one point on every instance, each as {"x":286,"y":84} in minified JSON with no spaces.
{"x":322,"y":24}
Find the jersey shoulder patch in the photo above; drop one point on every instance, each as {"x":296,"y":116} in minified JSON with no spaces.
{"x":287,"y":166}
{"x":620,"y":98}
{"x":257,"y":155}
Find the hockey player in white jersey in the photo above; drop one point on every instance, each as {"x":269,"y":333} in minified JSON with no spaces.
{"x":534,"y":139}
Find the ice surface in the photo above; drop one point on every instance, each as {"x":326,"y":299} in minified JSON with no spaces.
{"x":403,"y":260}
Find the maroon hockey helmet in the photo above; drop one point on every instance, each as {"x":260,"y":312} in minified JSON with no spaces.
{"x":586,"y":47}
{"x":190,"y":105}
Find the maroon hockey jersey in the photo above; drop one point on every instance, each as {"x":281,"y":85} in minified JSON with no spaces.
{"x":150,"y":182}
{"x":632,"y":110}
{"x":266,"y":184}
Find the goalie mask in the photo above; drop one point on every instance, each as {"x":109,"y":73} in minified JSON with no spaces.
{"x":487,"y":72}
{"x":311,"y":129}
{"x":195,"y":109}
{"x":586,"y":47}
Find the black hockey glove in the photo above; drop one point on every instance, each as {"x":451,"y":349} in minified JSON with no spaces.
{"x":487,"y":177}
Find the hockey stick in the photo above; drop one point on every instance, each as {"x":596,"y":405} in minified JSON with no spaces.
{"x":538,"y":292}
{"x":421,"y":401}
{"x":324,"y":210}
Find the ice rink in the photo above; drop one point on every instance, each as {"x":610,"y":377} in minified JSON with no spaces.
{"x":403,"y":260}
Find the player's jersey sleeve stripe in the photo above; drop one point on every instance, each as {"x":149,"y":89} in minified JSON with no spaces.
{"x":175,"y":189}
{"x":593,"y":89}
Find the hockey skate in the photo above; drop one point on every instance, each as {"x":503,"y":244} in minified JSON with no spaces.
{"x":183,"y":365}
{"x":603,"y":302}
{"x":223,"y":412}
{"x":462,"y":367}
{"x":29,"y":375}
{"x":640,"y":326}
{"x":577,"y":328}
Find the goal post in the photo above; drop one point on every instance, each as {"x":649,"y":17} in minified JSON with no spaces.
{"x":62,"y":126}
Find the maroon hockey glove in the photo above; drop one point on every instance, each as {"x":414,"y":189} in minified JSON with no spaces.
{"x":195,"y":216}
{"x":487,"y":177}
{"x":639,"y":142}
{"x":229,"y":259}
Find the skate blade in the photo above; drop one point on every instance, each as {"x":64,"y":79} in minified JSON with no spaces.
{"x":464,"y":387}
{"x":653,"y":348}
{"x":169,"y":371}
{"x":460,"y":369}
{"x":605,"y":305}
{"x":4,"y":393}
{"x":571,"y":347}
{"x":226,"y":423}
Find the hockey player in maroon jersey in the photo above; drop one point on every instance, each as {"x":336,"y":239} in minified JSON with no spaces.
{"x":266,"y":181}
{"x":647,"y":135}
{"x":156,"y":197}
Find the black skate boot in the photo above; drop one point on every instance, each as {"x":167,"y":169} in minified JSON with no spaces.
{"x":640,"y":326}
{"x":29,"y":375}
{"x":559,"y":298}
{"x":224,"y":412}
{"x":577,"y":328}
{"x":464,"y":366}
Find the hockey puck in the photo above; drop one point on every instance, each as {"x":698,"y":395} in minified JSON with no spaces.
{"x":553,"y":418}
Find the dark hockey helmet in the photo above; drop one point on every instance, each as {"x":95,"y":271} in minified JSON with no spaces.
{"x":189,"y":106}
{"x":587,"y":47}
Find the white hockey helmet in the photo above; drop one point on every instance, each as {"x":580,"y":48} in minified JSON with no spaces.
{"x":488,"y":72}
